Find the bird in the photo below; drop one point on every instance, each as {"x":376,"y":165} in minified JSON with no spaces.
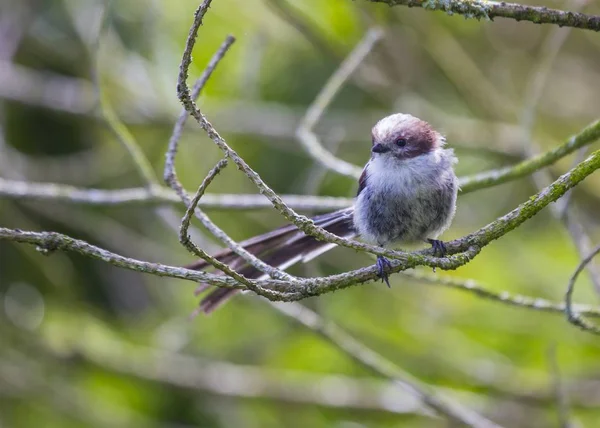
{"x":406,"y":193}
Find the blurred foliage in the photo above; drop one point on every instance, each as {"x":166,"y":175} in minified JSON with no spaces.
{"x":87,"y":344}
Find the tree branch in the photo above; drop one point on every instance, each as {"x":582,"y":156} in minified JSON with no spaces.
{"x":25,"y":190}
{"x":487,"y":179}
{"x":488,"y":10}
{"x":305,"y":132}
{"x":48,"y":242}
{"x":518,"y":300}
{"x":573,"y":316}
{"x":170,"y":174}
{"x":185,"y":239}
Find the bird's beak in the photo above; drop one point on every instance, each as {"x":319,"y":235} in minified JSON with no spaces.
{"x":380,"y":148}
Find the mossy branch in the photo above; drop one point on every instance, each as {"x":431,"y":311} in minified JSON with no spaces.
{"x":488,"y":10}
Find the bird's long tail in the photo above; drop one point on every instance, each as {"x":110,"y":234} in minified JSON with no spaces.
{"x":280,"y":248}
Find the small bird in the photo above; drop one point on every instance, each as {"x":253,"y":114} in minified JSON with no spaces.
{"x":406,"y":193}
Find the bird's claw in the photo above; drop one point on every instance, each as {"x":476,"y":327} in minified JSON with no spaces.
{"x":382,"y":264}
{"x":439,"y":248}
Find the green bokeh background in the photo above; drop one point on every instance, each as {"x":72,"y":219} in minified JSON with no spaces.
{"x":84,"y":343}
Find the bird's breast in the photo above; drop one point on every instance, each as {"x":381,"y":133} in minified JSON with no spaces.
{"x":402,"y":203}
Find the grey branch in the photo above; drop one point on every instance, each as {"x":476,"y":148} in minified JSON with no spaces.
{"x":184,"y":237}
{"x":305,"y":132}
{"x":473,"y":287}
{"x":48,"y":242}
{"x":170,"y":177}
{"x":25,"y":190}
{"x":573,"y":316}
{"x":488,"y":10}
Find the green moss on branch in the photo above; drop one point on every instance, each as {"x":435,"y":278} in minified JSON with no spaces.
{"x":488,"y":10}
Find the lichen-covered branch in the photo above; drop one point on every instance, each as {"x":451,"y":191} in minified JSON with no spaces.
{"x":488,"y":10}
{"x":48,"y":242}
{"x":184,"y":236}
{"x":187,"y":242}
{"x":170,"y":175}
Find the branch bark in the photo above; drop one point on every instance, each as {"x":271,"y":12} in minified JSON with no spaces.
{"x":488,"y":10}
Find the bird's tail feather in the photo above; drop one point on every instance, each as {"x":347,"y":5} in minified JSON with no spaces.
{"x":280,"y":248}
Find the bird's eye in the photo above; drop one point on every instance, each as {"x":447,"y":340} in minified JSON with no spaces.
{"x":401,"y":142}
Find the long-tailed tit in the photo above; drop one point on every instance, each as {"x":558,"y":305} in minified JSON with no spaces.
{"x":406,"y":193}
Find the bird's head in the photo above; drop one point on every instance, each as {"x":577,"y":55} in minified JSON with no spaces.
{"x":403,"y":136}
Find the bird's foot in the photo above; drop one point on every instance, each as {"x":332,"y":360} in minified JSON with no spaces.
{"x":382,"y":264}
{"x":439,"y":248}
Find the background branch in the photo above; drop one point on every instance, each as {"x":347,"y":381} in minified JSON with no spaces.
{"x":26,"y":190}
{"x":488,"y":10}
{"x":574,"y":317}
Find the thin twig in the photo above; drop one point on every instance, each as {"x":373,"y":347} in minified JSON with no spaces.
{"x":487,"y":179}
{"x":170,"y":174}
{"x":305,"y":131}
{"x":26,"y":190}
{"x":572,"y":315}
{"x":184,"y":237}
{"x":383,"y":367}
{"x":488,"y":10}
{"x":473,"y":287}
{"x":115,"y":125}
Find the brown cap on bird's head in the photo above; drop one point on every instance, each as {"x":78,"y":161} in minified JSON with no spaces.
{"x":405,"y":136}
